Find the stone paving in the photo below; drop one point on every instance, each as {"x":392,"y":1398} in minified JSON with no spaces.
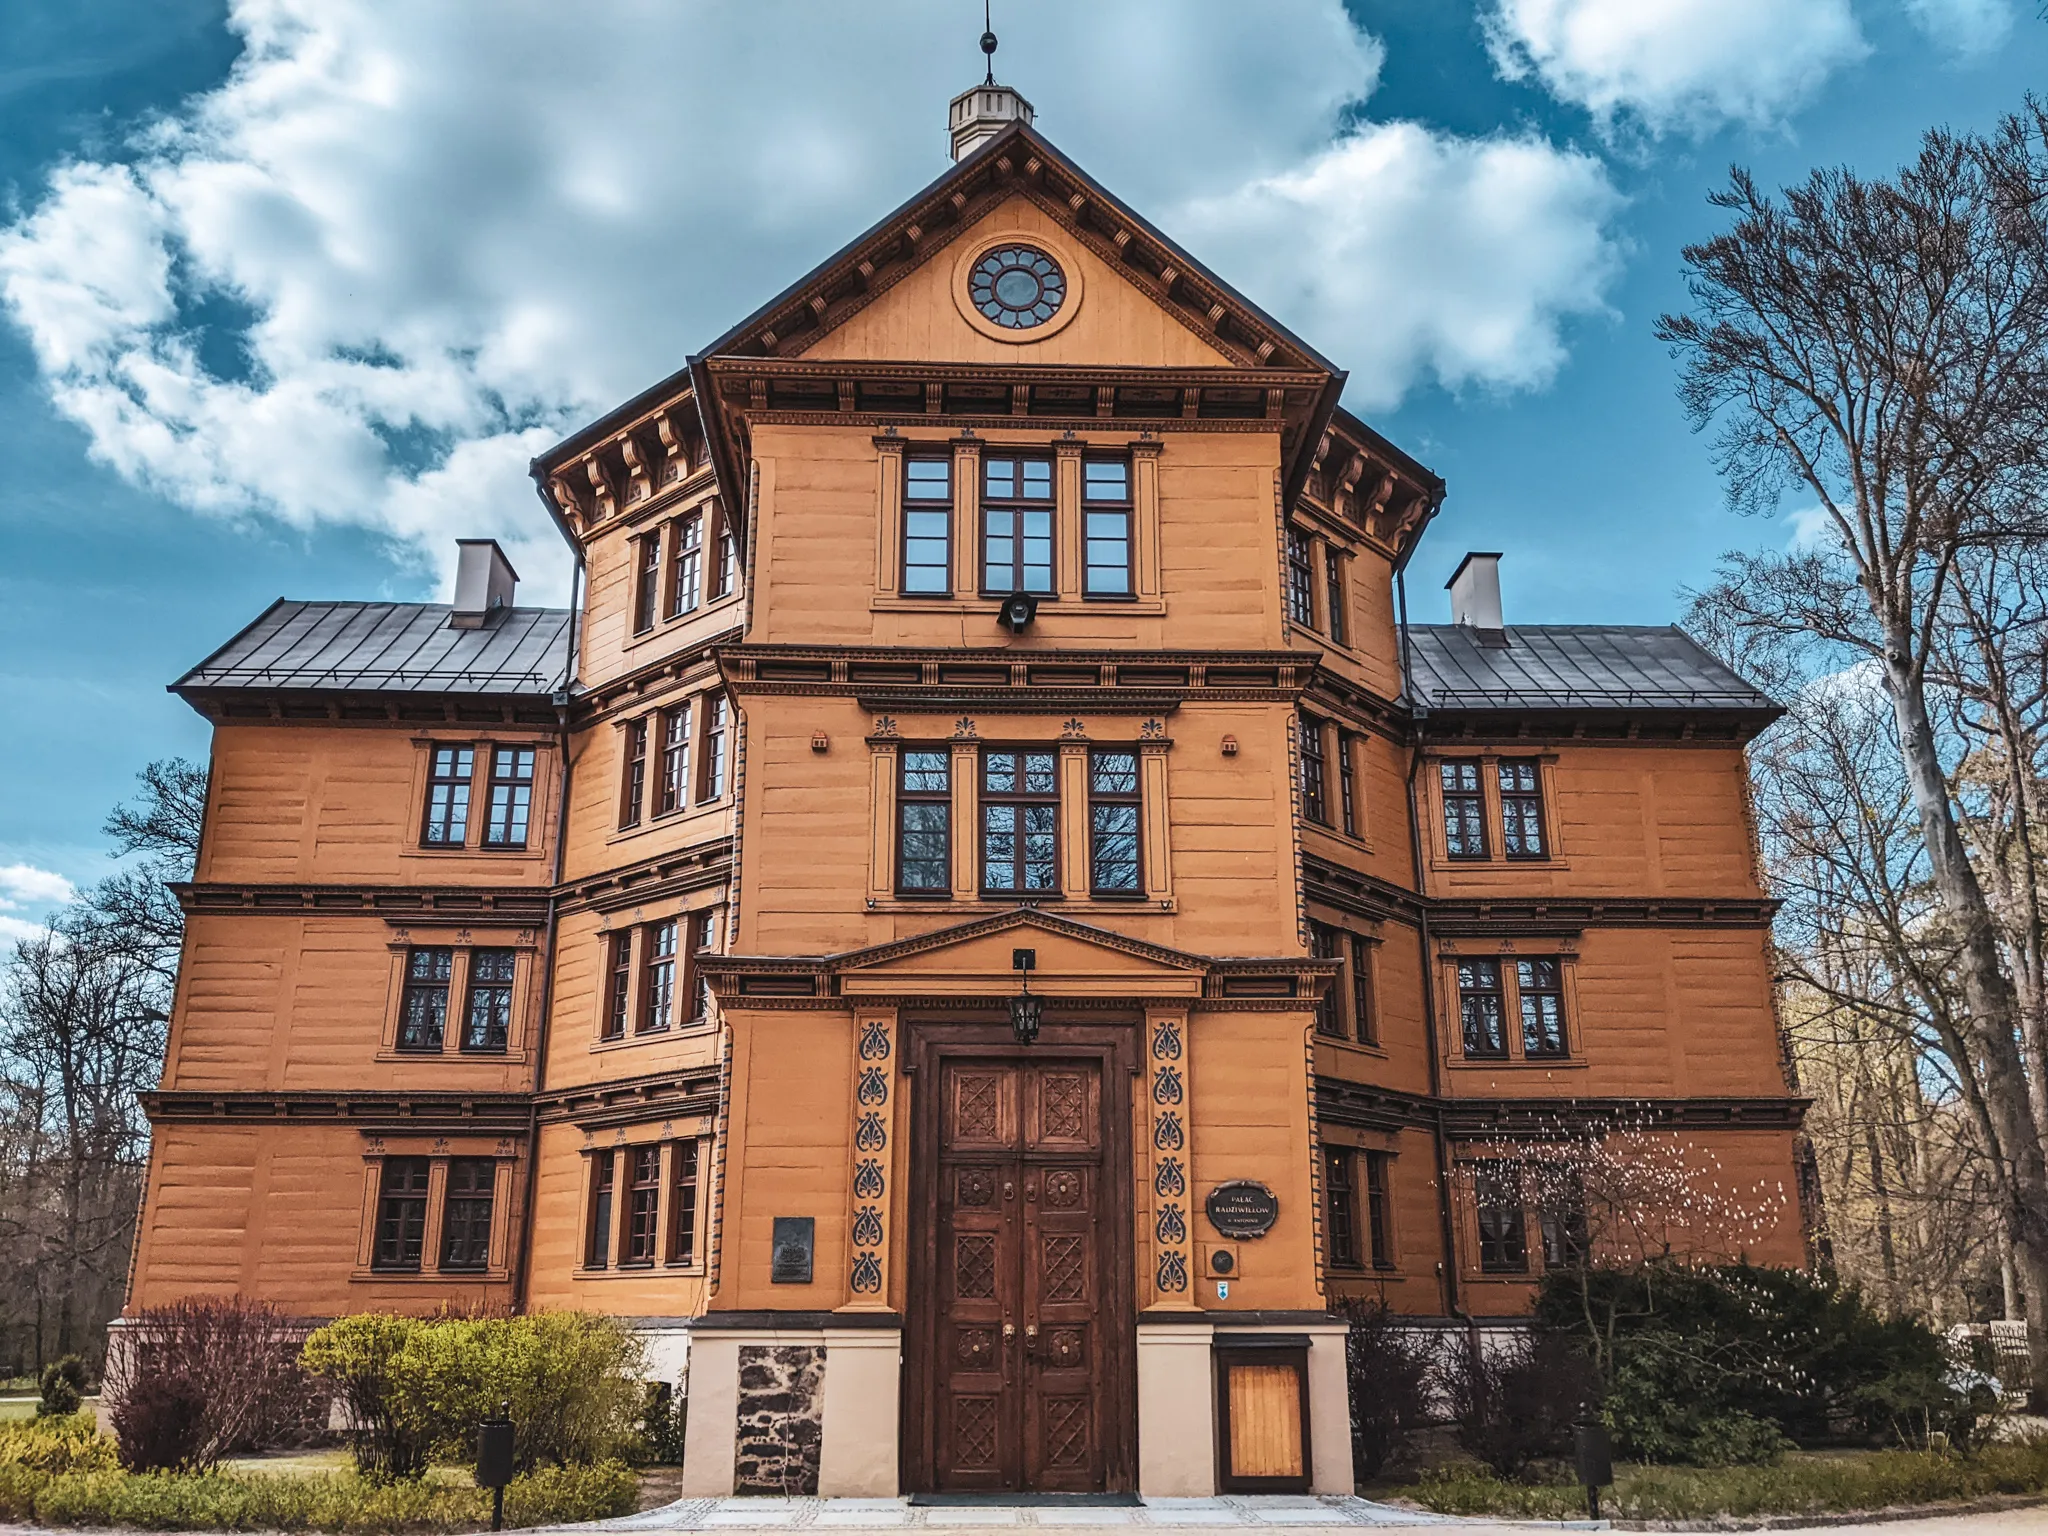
{"x":1242,"y":1513}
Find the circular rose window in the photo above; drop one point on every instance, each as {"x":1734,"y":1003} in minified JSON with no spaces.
{"x":1017,"y":286}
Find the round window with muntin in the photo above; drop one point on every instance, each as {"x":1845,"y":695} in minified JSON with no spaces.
{"x":1017,"y":286}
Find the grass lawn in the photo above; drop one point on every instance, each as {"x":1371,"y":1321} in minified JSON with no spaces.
{"x":18,"y":1407}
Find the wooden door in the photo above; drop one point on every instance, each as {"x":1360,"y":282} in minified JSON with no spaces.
{"x":1018,"y":1361}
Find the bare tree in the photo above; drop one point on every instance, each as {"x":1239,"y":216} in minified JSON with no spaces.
{"x":1882,"y":347}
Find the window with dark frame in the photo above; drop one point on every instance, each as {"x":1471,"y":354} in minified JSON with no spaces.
{"x":619,"y":985}
{"x":702,"y":940}
{"x":1016,"y":524}
{"x":725,"y":566}
{"x":1315,"y":791}
{"x":1340,"y":1200}
{"x":597,"y":1242}
{"x":682,"y":1204}
{"x":643,"y":1205}
{"x":449,"y":775}
{"x":1324,"y":943}
{"x":675,"y":761}
{"x":401,"y":1214}
{"x":924,"y":822}
{"x":646,"y":582}
{"x":1479,"y":1008}
{"x":510,"y":803}
{"x":716,"y":713}
{"x":1464,"y":809}
{"x":1106,"y":517}
{"x":658,"y":988}
{"x":1561,"y":1218}
{"x":1379,"y":1224}
{"x":1521,"y":808}
{"x":423,"y":1011}
{"x":1333,"y":592}
{"x":466,"y":1213}
{"x":1363,"y":1017}
{"x":1503,"y":1234}
{"x":1347,"y":781}
{"x":927,"y":526}
{"x":633,"y":791}
{"x":1113,"y":819}
{"x":1539,"y":989}
{"x":1301,"y":579}
{"x":487,"y":1017}
{"x":686,"y":565}
{"x":1020,"y":813}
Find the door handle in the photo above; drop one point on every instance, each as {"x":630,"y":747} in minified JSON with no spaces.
{"x":1009,"y":1332}
{"x":1031,"y":1338}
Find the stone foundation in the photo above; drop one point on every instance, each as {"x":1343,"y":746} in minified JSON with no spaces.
{"x":781,"y":1415}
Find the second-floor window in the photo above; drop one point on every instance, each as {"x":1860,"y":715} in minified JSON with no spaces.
{"x":1379,"y":1224}
{"x":449,"y":775}
{"x":675,"y":760}
{"x":1020,"y":812}
{"x":1106,"y":511}
{"x":1521,"y":807}
{"x":1315,"y":796}
{"x":646,"y":582}
{"x":466,"y":1213}
{"x":643,"y":1206}
{"x":1364,"y":1018}
{"x":633,"y":793}
{"x":1480,"y":1008}
{"x":1016,"y":524}
{"x":1340,"y":1198}
{"x":657,"y":1010}
{"x":1361,"y":1225}
{"x":725,"y":569}
{"x":1301,"y":579}
{"x":423,"y":1019}
{"x":703,"y":941}
{"x":597,"y":1245}
{"x":1464,"y":809}
{"x":1347,"y":780}
{"x":1324,"y":944}
{"x":1539,"y":990}
{"x":511,"y":797}
{"x":924,"y":815}
{"x":401,"y":1214}
{"x":715,"y":713}
{"x":1333,"y":592}
{"x":618,"y":985}
{"x":1113,"y":811}
{"x":686,"y":565}
{"x":928,"y":527}
{"x":487,"y":1021}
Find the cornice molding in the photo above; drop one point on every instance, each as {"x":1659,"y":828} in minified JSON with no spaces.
{"x":1365,"y":1106}
{"x":504,"y":1113}
{"x":493,"y":904}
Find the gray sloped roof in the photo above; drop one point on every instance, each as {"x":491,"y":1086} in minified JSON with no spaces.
{"x":1573,"y":666}
{"x":389,"y":648}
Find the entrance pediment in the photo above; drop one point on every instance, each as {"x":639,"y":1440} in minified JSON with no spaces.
{"x":975,"y":958}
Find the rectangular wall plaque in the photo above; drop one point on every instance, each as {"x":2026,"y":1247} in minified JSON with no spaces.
{"x":795,"y":1239}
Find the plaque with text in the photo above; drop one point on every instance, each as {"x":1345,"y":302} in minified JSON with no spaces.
{"x":1242,"y":1208}
{"x":794,"y":1241}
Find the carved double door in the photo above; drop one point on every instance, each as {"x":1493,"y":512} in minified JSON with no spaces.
{"x":1019,"y":1351}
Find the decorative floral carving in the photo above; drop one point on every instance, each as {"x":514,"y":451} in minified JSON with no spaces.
{"x":874,"y":1086}
{"x":867,"y":1179}
{"x":1166,"y":1086}
{"x":976,"y":1186}
{"x":1172,"y":1226}
{"x":1172,"y":1276}
{"x":1166,"y":1040}
{"x":874,"y":1041}
{"x":885,"y":725}
{"x":963,"y":730}
{"x":1167,"y":1135}
{"x":869,"y":1136}
{"x":866,"y":1277}
{"x":1074,"y":730}
{"x":867,"y":1228}
{"x":1063,"y":1189}
{"x":1170,"y":1181}
{"x":1152,"y":730}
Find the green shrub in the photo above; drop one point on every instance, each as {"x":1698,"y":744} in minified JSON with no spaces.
{"x":1514,"y":1401}
{"x":160,"y":1423}
{"x":416,"y":1388}
{"x":63,"y":1388}
{"x":72,"y":1443}
{"x":662,"y":1424}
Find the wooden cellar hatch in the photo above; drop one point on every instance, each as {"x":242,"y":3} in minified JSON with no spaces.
{"x":1262,"y":1434}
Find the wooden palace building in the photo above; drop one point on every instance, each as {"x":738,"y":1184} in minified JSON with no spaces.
{"x":981,"y":920}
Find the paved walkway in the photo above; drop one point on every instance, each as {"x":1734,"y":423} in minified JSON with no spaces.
{"x":1263,"y":1514}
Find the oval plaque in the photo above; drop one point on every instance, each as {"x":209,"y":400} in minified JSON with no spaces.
{"x":1242,"y":1208}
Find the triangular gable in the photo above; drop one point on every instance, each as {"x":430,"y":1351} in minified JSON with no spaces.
{"x":1071,"y":958}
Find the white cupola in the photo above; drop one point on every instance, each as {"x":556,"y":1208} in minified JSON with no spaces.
{"x":978,"y":115}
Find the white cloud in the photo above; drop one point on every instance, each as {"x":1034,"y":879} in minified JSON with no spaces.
{"x":1678,"y":64}
{"x":1812,"y":528}
{"x":24,"y":884}
{"x":1965,"y":27}
{"x":404,"y":246}
{"x":13,"y":928}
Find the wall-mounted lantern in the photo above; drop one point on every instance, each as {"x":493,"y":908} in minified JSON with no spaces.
{"x":1026,"y":1012}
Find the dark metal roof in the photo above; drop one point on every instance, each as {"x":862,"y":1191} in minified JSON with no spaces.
{"x":390,"y":648}
{"x":1573,"y":666}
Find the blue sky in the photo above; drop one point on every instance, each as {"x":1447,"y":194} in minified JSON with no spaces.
{"x":287,"y":299}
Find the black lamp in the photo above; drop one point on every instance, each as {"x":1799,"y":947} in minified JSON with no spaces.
{"x":1018,"y":610}
{"x":1026,"y":1012}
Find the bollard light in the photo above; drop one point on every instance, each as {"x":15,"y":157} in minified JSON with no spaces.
{"x":494,"y":1460}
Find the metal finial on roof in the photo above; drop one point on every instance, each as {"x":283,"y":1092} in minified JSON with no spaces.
{"x":988,"y":41}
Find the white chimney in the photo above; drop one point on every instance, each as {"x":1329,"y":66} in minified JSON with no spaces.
{"x":484,"y":583}
{"x":1475,"y":592}
{"x":978,"y":115}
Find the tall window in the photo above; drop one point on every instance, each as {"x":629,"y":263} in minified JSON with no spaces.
{"x":1333,"y":592}
{"x":1540,"y":991}
{"x":423,"y":1018}
{"x":646,"y":581}
{"x":1020,"y":812}
{"x":597,"y":1243}
{"x":675,"y":760}
{"x":1340,"y":1198}
{"x":1521,"y":808}
{"x":924,"y":814}
{"x":1503,"y":1239}
{"x":927,"y":527}
{"x":1113,"y":809}
{"x":1323,"y":943}
{"x":1106,"y":527}
{"x":715,"y":712}
{"x":1479,"y":1008}
{"x":1016,"y":524}
{"x":1378,"y":1213}
{"x":1562,"y":1218}
{"x":401,"y":1214}
{"x":448,"y":781}
{"x":682,"y":1204}
{"x":487,"y":1021}
{"x":658,"y":993}
{"x":619,"y":985}
{"x":1315,"y":796}
{"x":1363,"y":1017}
{"x":725,"y":569}
{"x":703,"y":941}
{"x":466,"y":1213}
{"x":511,"y":801}
{"x":643,"y":1206}
{"x":686,"y":565}
{"x":1464,"y":809}
{"x":1301,"y":578}
{"x":1347,"y":781}
{"x":633,"y":792}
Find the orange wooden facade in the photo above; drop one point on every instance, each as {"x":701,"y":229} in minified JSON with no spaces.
{"x":724,"y":956}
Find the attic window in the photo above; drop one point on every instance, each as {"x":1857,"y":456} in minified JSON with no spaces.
{"x":1018,"y":287}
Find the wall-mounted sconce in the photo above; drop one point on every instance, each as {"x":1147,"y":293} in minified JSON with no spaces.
{"x":1026,"y":1012}
{"x":820,"y":742}
{"x":1230,"y":746}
